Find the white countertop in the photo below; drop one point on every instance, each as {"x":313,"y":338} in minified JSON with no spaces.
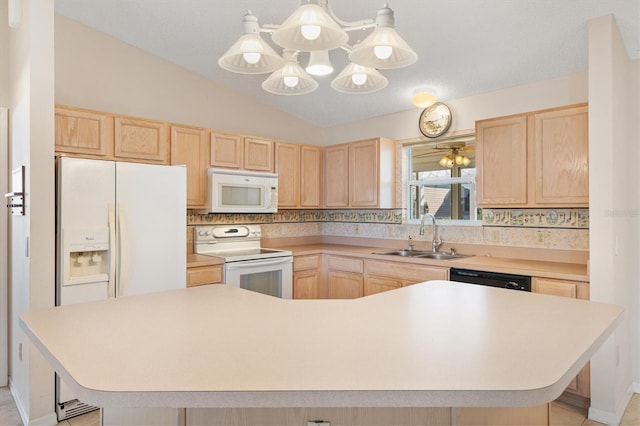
{"x":432,"y":344}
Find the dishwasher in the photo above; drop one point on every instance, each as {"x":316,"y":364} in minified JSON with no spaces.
{"x":493,"y":279}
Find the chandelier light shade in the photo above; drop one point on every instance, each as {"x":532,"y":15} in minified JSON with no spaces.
{"x":358,"y":79}
{"x":313,"y":27}
{"x":291,"y":79}
{"x":310,"y":28}
{"x":383,"y":48}
{"x":251,"y":54}
{"x":319,"y":63}
{"x":455,"y":158}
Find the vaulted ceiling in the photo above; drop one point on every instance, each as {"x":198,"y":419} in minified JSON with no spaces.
{"x":464,"y":47}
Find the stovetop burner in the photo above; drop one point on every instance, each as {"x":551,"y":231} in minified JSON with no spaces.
{"x":234,"y":243}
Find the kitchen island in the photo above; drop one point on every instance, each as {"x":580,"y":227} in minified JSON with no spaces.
{"x":436,"y":344}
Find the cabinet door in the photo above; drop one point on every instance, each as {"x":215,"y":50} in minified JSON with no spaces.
{"x":336,"y":162}
{"x":305,"y":284}
{"x":562,"y":156}
{"x":310,"y":176}
{"x":258,"y":154}
{"x":189,"y":147}
{"x":345,"y":285}
{"x":202,"y":275}
{"x":83,"y":132}
{"x":373,"y":284}
{"x":501,"y":161}
{"x":139,"y":139}
{"x":288,"y":170}
{"x":580,"y":385}
{"x":226,"y":151}
{"x":363,"y":173}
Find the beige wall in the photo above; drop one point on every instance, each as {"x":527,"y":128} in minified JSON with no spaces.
{"x":96,"y":71}
{"x":31,"y":260}
{"x":566,"y":90}
{"x":613,"y":153}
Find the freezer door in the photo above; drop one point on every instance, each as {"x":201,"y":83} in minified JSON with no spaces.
{"x":151,"y":210}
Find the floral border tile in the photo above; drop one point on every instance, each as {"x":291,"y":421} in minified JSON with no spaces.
{"x":388,"y":216}
{"x":537,"y":218}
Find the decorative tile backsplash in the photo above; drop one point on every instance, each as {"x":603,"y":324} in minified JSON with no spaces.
{"x":297,"y":216}
{"x":565,"y":229}
{"x":537,"y":218}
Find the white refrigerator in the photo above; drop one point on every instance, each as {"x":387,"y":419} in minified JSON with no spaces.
{"x":120,"y":231}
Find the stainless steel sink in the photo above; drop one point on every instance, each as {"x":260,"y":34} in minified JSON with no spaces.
{"x":422,"y":254}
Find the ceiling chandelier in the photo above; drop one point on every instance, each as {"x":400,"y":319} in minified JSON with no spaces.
{"x":454,"y":159}
{"x":314,"y":28}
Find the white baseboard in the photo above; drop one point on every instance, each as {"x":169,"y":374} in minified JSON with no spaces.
{"x":610,"y":418}
{"x":48,"y":420}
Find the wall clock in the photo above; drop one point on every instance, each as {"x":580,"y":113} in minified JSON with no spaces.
{"x":435,"y":120}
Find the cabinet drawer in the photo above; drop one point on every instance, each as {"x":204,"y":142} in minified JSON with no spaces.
{"x":346,"y":264}
{"x":303,"y":263}
{"x":204,"y":275}
{"x":405,"y":271}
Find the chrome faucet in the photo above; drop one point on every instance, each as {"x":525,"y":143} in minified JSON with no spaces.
{"x":436,"y":242}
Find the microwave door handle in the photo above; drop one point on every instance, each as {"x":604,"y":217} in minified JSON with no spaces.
{"x":249,"y":263}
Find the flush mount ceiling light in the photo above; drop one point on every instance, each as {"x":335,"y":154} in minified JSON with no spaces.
{"x":314,"y":28}
{"x":423,"y":98}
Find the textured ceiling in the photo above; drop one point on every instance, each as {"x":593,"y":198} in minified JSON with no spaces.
{"x":464,"y":47}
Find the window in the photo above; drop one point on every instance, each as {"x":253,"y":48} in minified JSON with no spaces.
{"x":441,"y":180}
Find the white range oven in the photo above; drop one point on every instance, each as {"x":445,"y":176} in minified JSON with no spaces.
{"x":246,"y":264}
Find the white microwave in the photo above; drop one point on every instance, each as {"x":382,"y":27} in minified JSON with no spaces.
{"x":240,"y":191}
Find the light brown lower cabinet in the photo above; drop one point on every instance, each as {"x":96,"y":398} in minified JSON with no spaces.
{"x":307,"y":276}
{"x":202,"y":275}
{"x":382,"y":276}
{"x":344,"y":277}
{"x":501,"y":416}
{"x":376,"y":416}
{"x":581,"y":385}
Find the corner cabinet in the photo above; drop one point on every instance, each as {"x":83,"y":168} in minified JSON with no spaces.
{"x":534,"y":159}
{"x":360,"y":174}
{"x":581,"y":384}
{"x":299,"y":169}
{"x":189,"y":147}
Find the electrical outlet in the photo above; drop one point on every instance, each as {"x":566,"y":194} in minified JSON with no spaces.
{"x":356,"y":229}
{"x":495,"y":236}
{"x":540,"y":237}
{"x":318,"y":423}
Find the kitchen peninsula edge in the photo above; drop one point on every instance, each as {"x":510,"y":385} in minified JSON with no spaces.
{"x":436,"y":344}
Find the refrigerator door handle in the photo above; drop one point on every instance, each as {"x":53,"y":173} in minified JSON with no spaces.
{"x":112,"y":251}
{"x":121,"y":284}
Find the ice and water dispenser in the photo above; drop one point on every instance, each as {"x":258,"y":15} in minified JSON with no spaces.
{"x":85,"y":265}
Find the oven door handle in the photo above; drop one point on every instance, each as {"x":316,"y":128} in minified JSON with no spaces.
{"x":250,"y":263}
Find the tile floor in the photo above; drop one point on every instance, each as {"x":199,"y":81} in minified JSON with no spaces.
{"x":561,"y":414}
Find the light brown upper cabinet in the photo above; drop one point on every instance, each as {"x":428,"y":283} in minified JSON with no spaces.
{"x":562,"y":156}
{"x":141,"y":140}
{"x":501,"y":161}
{"x":83,"y":132}
{"x":360,"y":174}
{"x":93,"y":134}
{"x":189,"y":147}
{"x":299,"y":169}
{"x":534,"y":159}
{"x":238,"y":152}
